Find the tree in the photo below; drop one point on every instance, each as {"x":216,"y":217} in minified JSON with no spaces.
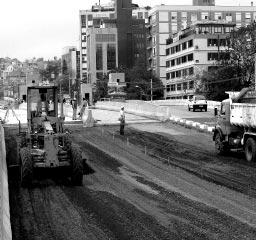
{"x":235,"y":71}
{"x":242,"y":48}
{"x":101,"y":88}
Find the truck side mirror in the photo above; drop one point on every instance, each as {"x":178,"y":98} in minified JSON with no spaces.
{"x":215,"y":111}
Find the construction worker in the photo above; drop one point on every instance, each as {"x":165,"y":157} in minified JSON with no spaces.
{"x":122,"y":120}
{"x":74,"y":106}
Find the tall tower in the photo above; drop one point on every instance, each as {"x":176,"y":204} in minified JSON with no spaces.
{"x":203,"y":2}
{"x":123,"y":11}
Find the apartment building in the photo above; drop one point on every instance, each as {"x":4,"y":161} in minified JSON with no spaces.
{"x":164,"y":20}
{"x":192,"y":51}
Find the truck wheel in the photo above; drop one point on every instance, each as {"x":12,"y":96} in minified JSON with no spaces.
{"x":219,"y":146}
{"x":205,"y":109}
{"x":76,"y":165}
{"x":188,"y":108}
{"x":26,"y":167}
{"x":250,"y":149}
{"x":194,"y":109}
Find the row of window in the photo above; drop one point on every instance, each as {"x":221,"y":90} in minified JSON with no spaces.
{"x":179,"y":47}
{"x":218,"y":56}
{"x":180,"y":73}
{"x":105,"y":37}
{"x":217,"y":42}
{"x":180,"y":60}
{"x":180,"y":86}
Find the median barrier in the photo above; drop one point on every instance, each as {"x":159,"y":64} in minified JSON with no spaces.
{"x":5,"y":225}
{"x":139,"y":108}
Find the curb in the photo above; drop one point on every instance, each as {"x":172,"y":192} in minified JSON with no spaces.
{"x":191,"y":124}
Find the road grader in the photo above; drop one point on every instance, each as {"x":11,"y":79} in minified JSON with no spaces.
{"x":45,"y":144}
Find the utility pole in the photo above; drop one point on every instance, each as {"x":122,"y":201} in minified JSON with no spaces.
{"x":151,"y":90}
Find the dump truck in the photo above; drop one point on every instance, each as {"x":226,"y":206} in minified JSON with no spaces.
{"x":235,"y":129}
{"x":45,"y":144}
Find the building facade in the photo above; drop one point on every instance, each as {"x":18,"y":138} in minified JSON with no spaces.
{"x":165,"y":20}
{"x":192,"y":51}
{"x":111,"y":37}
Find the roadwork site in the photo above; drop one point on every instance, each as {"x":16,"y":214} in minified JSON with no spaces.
{"x":158,"y":181}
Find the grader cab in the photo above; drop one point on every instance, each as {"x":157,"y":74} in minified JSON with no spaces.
{"x":45,"y":144}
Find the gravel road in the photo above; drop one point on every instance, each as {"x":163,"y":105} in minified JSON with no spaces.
{"x":131,"y":190}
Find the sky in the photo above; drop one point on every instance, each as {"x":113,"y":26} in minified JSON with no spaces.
{"x":41,"y":28}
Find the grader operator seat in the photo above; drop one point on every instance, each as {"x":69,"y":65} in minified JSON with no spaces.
{"x":42,"y":111}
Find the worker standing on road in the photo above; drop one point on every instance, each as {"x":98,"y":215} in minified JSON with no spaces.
{"x":122,"y":121}
{"x":74,"y":106}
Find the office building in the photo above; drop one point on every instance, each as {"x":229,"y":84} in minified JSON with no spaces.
{"x":192,"y":51}
{"x":164,"y":20}
{"x":111,"y":37}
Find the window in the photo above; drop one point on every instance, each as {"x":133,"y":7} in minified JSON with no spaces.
{"x":167,"y":51}
{"x":172,"y":75}
{"x":83,"y":20}
{"x":168,"y":88}
{"x":179,"y":86}
{"x":238,"y":17}
{"x":247,"y":17}
{"x":204,"y":15}
{"x":140,"y":15}
{"x":190,"y":57}
{"x":178,"y":61}
{"x":217,"y":16}
{"x":184,"y":45}
{"x":184,"y":59}
{"x":168,"y":64}
{"x":174,"y":27}
{"x":217,"y":30}
{"x":111,"y":56}
{"x":173,"y":87}
{"x":184,"y":72}
{"x":174,"y":16}
{"x":177,"y":48}
{"x":163,"y":16}
{"x":172,"y":62}
{"x":191,"y":84}
{"x":212,"y":56}
{"x":193,"y":17}
{"x":191,"y":71}
{"x":178,"y":74}
{"x":99,"y":75}
{"x":167,"y":76}
{"x":190,"y":43}
{"x":99,"y":56}
{"x":105,"y":37}
{"x":185,"y":85}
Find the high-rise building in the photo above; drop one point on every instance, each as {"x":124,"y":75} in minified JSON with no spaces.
{"x":111,"y":36}
{"x":164,"y":20}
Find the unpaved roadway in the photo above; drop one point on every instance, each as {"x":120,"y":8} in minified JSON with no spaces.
{"x":159,"y":181}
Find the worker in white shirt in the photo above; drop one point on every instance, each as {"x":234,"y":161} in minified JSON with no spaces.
{"x":122,"y":121}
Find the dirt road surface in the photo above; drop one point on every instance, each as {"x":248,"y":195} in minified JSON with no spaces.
{"x":159,"y":181}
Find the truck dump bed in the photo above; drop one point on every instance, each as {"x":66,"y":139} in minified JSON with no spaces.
{"x":243,"y":109}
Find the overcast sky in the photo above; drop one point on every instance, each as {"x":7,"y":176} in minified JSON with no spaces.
{"x":41,"y":28}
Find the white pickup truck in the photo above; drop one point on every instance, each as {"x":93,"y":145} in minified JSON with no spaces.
{"x":197,"y":102}
{"x":236,"y":125}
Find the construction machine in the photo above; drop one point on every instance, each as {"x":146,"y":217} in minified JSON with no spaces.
{"x":45,"y":144}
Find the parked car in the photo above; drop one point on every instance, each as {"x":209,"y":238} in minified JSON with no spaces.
{"x":197,"y":102}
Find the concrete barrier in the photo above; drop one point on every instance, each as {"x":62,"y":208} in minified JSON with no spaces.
{"x":139,"y":108}
{"x":180,"y":102}
{"x":5,"y":225}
